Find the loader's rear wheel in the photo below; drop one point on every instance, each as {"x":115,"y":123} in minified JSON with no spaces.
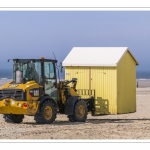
{"x":13,"y":118}
{"x":47,"y":113}
{"x":80,"y":112}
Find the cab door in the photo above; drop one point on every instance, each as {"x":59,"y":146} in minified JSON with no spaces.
{"x":50,"y":84}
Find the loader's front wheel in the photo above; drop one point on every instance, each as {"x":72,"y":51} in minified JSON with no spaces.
{"x":47,"y":113}
{"x":13,"y":118}
{"x":71,"y":118}
{"x":80,"y":112}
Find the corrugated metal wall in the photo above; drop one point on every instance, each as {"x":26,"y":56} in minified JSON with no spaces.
{"x":101,"y":79}
{"x":126,"y":85}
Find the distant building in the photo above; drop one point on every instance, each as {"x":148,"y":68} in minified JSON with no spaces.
{"x":109,"y":71}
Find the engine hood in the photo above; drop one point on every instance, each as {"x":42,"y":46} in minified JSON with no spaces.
{"x":26,"y":86}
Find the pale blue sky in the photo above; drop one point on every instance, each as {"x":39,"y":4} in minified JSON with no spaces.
{"x":32,"y":34}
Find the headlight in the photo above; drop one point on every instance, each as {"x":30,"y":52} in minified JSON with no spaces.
{"x":1,"y":87}
{"x":34,"y":92}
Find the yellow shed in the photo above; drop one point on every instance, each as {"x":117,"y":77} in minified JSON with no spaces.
{"x":108,"y":72}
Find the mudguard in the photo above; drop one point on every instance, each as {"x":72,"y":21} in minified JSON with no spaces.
{"x":43,"y":98}
{"x":70,"y":105}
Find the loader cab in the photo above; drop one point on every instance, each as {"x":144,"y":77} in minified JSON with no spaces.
{"x":42,"y":71}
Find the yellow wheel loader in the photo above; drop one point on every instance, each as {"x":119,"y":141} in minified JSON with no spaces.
{"x":35,"y":91}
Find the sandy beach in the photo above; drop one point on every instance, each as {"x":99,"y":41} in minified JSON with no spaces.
{"x":124,"y":126}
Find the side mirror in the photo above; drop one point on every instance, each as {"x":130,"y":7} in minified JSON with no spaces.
{"x":61,"y":67}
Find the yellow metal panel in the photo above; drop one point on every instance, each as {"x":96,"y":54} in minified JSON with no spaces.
{"x":126,"y":84}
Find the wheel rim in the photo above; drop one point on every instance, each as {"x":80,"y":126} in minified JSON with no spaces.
{"x":48,"y":112}
{"x":81,"y":111}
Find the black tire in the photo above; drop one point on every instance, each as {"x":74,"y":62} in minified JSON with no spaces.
{"x":13,"y":118}
{"x":47,"y":113}
{"x":72,"y":118}
{"x":80,"y":112}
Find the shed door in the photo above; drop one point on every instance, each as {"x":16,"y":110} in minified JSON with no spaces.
{"x":99,"y":85}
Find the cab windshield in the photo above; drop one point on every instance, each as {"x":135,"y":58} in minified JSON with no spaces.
{"x":26,"y":70}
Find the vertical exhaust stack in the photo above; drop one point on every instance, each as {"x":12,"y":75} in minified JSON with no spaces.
{"x":18,"y":76}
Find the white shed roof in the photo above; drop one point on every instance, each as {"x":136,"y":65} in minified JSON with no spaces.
{"x":95,"y":56}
